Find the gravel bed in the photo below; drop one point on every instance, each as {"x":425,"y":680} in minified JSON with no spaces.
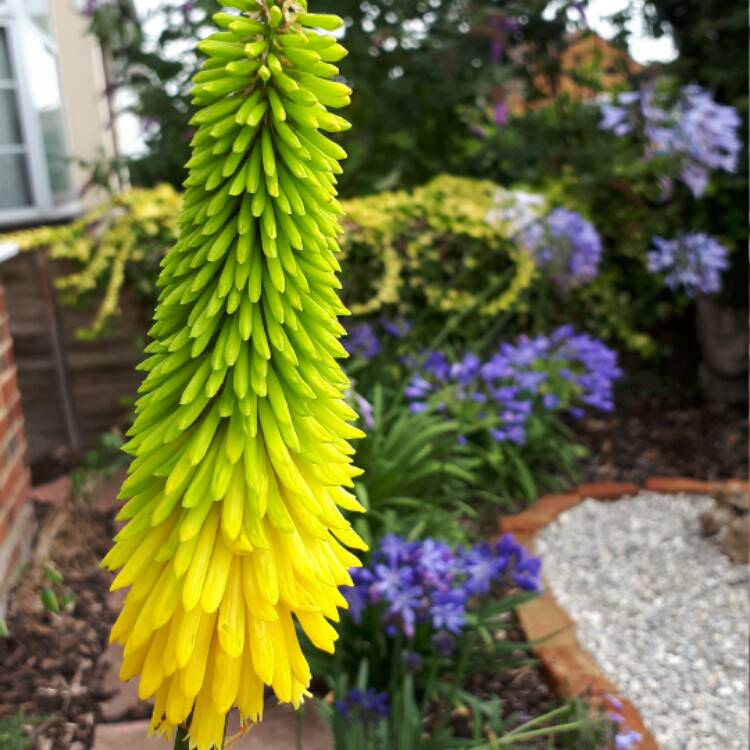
{"x":661,"y":609}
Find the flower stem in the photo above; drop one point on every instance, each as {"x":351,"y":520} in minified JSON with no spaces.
{"x":522,"y":728}
{"x":511,"y":739}
{"x":181,"y":739}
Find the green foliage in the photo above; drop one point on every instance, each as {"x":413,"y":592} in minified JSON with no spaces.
{"x":12,"y":733}
{"x":426,"y":254}
{"x":520,"y":474}
{"x":55,"y":596}
{"x":118,"y":244}
{"x":416,"y":68}
{"x":416,"y":475}
{"x":102,"y":460}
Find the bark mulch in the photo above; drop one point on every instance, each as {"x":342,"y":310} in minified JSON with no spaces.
{"x":664,"y":429}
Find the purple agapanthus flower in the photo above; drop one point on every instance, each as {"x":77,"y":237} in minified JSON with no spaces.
{"x":430,"y":584}
{"x":693,"y":262}
{"x":396,"y":327}
{"x":358,"y":595}
{"x":563,"y":372}
{"x":565,"y":245}
{"x":366,"y":706}
{"x":362,"y":341}
{"x":702,"y":135}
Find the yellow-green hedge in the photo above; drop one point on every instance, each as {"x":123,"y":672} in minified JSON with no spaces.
{"x":427,"y":251}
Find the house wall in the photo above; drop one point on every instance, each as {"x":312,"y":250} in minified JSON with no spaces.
{"x":16,"y":512}
{"x":82,"y":79}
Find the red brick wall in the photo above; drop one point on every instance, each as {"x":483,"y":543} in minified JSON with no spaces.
{"x":16,"y":514}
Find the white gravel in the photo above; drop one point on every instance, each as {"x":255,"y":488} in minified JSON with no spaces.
{"x":664,"y":613}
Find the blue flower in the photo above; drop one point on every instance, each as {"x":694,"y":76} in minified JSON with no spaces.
{"x":482,"y":568}
{"x":435,"y":561}
{"x":693,"y":262}
{"x":437,"y":365}
{"x":567,"y":245}
{"x":403,"y":606}
{"x":366,"y":706}
{"x":361,"y":340}
{"x":627,"y":739}
{"x":700,"y":133}
{"x":358,"y":595}
{"x":430,"y":584}
{"x":550,"y":401}
{"x":417,"y":388}
{"x":448,"y":611}
{"x":393,"y":549}
{"x":397,"y":328}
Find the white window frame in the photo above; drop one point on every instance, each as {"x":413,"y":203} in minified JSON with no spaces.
{"x":42,"y":208}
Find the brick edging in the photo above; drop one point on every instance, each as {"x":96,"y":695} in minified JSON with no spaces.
{"x":572,"y":670}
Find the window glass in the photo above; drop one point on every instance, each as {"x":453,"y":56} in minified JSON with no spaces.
{"x":14,"y":181}
{"x":39,"y":11}
{"x":6,"y":70}
{"x":10,"y":129}
{"x":47,"y":102}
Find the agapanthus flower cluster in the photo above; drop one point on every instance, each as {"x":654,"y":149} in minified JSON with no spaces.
{"x":701,"y":133}
{"x":693,"y":262}
{"x":564,"y":371}
{"x":622,"y":737}
{"x":429,"y":583}
{"x":566,"y":246}
{"x":362,"y":339}
{"x":515,"y":210}
{"x":366,"y":706}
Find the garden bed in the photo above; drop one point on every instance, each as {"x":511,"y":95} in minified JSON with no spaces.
{"x":55,"y":672}
{"x":662,"y":429}
{"x":50,"y":663}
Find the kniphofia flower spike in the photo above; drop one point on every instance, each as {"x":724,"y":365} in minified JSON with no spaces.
{"x":234,"y":534}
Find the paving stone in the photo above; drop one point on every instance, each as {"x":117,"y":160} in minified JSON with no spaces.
{"x":276,"y":732}
{"x":542,"y":513}
{"x":129,"y":735}
{"x":52,"y":493}
{"x":543,"y":617}
{"x":123,"y":700}
{"x":103,"y":492}
{"x":278,"y":728}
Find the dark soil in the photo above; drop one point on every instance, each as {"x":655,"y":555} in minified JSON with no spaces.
{"x":49,"y":663}
{"x":524,"y":693}
{"x":663,"y":428}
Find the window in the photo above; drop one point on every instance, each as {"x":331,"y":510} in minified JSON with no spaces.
{"x":35,"y":176}
{"x":15,"y":190}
